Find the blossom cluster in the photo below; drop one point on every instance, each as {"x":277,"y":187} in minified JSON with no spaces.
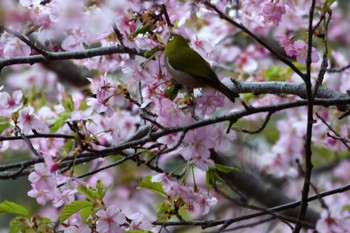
{"x":128,"y":91}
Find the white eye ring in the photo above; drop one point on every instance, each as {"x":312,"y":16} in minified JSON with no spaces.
{"x":171,"y":38}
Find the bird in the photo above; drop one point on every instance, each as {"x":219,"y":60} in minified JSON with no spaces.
{"x":190,"y":69}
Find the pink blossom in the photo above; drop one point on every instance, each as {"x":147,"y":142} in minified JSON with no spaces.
{"x":273,"y":12}
{"x":42,"y":196}
{"x":75,"y":225}
{"x":170,"y":139}
{"x":342,"y":170}
{"x":74,"y":41}
{"x":64,"y":15}
{"x":42,"y":178}
{"x":10,"y":104}
{"x":138,"y":222}
{"x":98,"y":23}
{"x":247,"y":63}
{"x":329,"y":223}
{"x":204,"y":48}
{"x":13,"y":47}
{"x":185,"y":192}
{"x":43,"y":184}
{"x":125,"y":24}
{"x":110,"y":220}
{"x":37,"y":77}
{"x":101,"y":86}
{"x":46,"y":26}
{"x":288,"y":148}
{"x":288,"y":45}
{"x":100,"y":106}
{"x":298,"y":49}
{"x":223,"y":139}
{"x":252,"y":4}
{"x":203,"y":202}
{"x":197,"y":144}
{"x":28,"y":121}
{"x":301,"y":49}
{"x":4,"y":145}
{"x":78,"y":229}
{"x":126,"y":122}
{"x":210,"y":101}
{"x":290,"y":3}
{"x":170,"y":114}
{"x":137,"y":73}
{"x":64,"y":197}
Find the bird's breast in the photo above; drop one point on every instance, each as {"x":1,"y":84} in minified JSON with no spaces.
{"x":184,"y":78}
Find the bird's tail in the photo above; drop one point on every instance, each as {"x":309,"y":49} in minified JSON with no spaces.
{"x":226,"y":91}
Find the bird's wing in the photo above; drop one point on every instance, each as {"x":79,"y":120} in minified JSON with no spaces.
{"x":192,"y":63}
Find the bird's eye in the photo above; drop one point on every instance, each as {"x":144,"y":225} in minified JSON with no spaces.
{"x":171,"y":38}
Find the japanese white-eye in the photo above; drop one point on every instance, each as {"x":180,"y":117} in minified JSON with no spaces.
{"x":188,"y":68}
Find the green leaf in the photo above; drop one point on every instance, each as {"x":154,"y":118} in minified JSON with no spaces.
{"x":172,"y":92}
{"x":45,"y":220}
{"x":138,"y":231}
{"x":68,"y":146}
{"x":164,"y":211}
{"x":345,"y":208}
{"x":43,"y":101}
{"x":226,"y":169}
{"x":86,"y":192}
{"x":277,"y":73}
{"x":59,"y":122}
{"x":212,"y":177}
{"x":68,"y":103}
{"x":142,"y":29}
{"x":18,"y":224}
{"x":156,"y":187}
{"x":327,"y":5}
{"x":83,"y":106}
{"x":151,"y":52}
{"x":8,"y":207}
{"x":72,"y":208}
{"x":100,"y":189}
{"x":86,"y":213}
{"x":209,"y":178}
{"x":3,"y":126}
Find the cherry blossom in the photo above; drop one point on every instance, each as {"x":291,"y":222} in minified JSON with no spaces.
{"x":273,"y":12}
{"x":110,"y":220}
{"x":10,"y":104}
{"x":138,"y":222}
{"x":28,"y":121}
{"x":301,"y":50}
{"x":203,"y":202}
{"x":13,"y":47}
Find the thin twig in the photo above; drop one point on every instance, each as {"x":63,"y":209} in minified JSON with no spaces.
{"x":310,"y":122}
{"x":30,"y":145}
{"x":54,"y":56}
{"x":37,"y":135}
{"x":260,"y":129}
{"x":118,"y":34}
{"x":324,"y":64}
{"x":343,"y":140}
{"x":165,"y":13}
{"x":249,"y":225}
{"x":338,"y":70}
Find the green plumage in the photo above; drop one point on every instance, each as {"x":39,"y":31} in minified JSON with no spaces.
{"x":189,"y":69}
